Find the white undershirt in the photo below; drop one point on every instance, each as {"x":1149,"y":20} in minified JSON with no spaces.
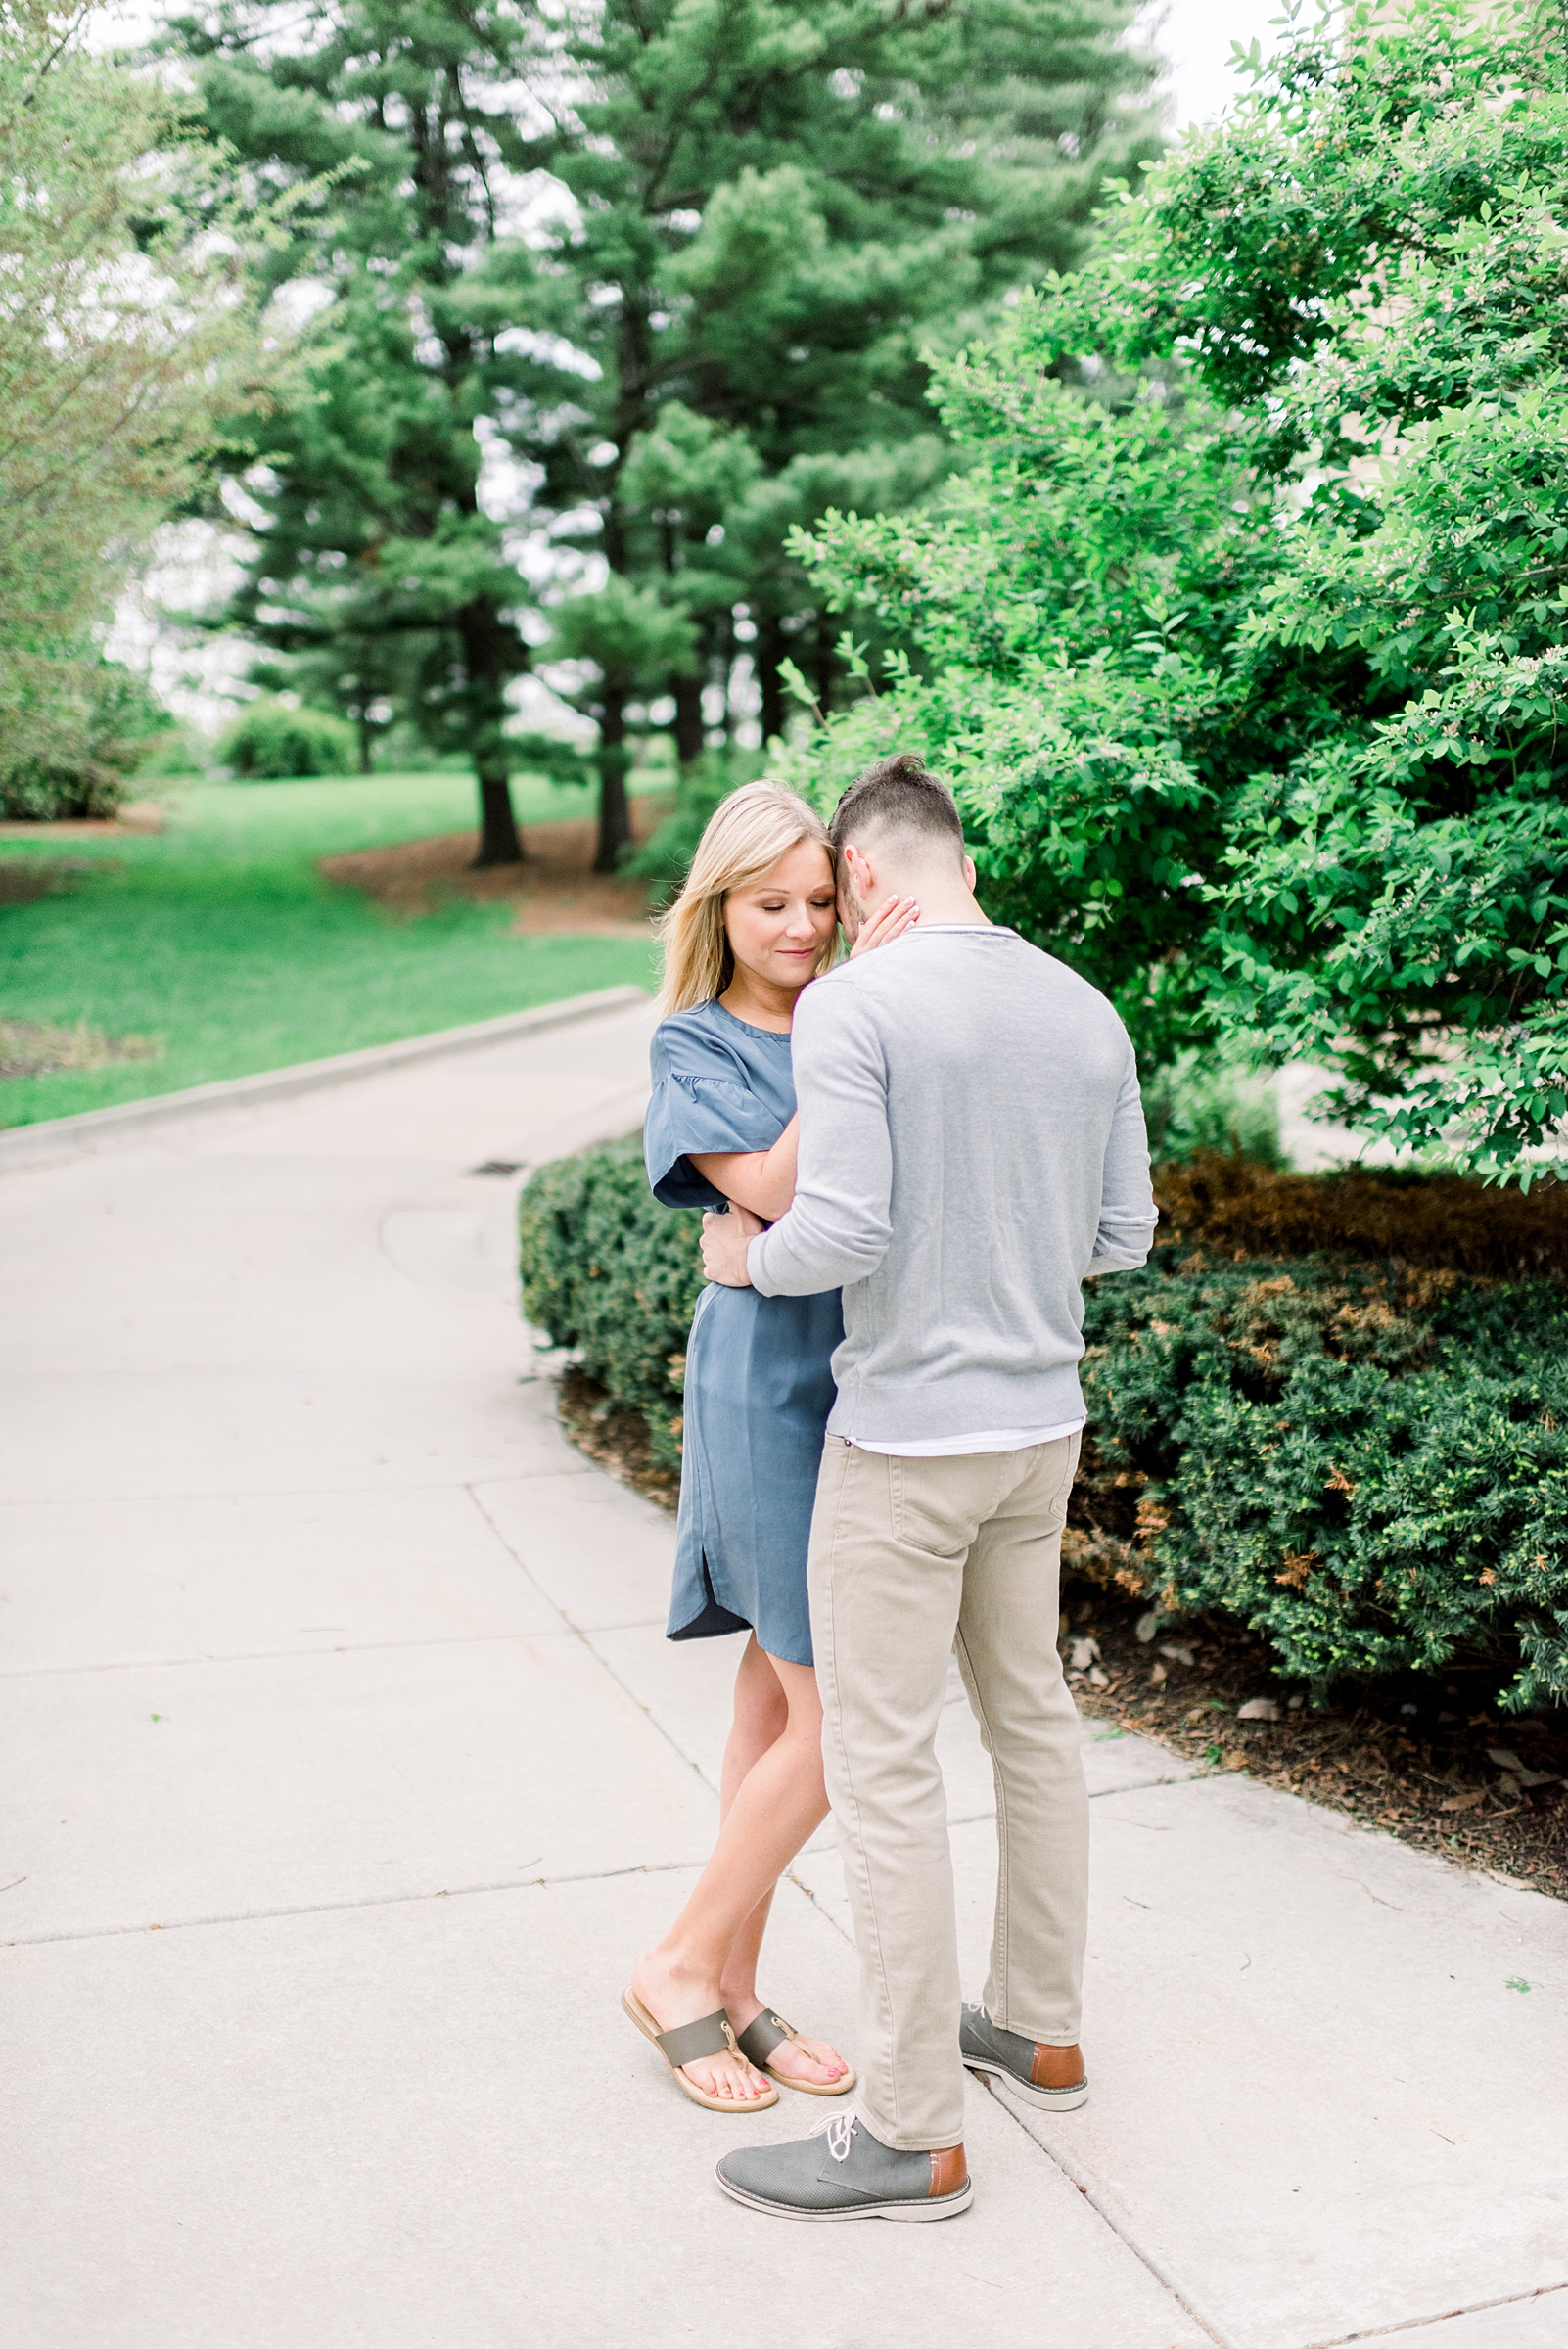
{"x":990,"y":1438}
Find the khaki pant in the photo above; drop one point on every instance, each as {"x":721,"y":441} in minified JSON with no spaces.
{"x":911,"y":1559}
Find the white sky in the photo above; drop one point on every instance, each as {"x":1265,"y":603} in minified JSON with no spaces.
{"x":1196,"y":37}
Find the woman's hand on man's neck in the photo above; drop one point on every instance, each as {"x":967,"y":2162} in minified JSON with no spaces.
{"x":942,"y":885}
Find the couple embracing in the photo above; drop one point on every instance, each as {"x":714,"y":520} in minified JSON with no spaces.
{"x":882,"y":1418}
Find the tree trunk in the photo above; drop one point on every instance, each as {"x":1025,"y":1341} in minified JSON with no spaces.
{"x":726,"y":673}
{"x":826,"y":668}
{"x":479,"y":627}
{"x":499,"y":839}
{"x":631,"y":414}
{"x":769,"y":652}
{"x":615,"y":808}
{"x":690,"y":732}
{"x":362,"y":719}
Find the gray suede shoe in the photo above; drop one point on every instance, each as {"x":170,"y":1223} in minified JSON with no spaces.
{"x":987,"y":2048}
{"x":844,"y":2172}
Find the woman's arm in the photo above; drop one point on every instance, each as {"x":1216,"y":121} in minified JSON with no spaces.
{"x":761,"y":1180}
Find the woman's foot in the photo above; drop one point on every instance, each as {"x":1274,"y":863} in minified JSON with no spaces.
{"x":673,"y":1999}
{"x":810,"y":2060}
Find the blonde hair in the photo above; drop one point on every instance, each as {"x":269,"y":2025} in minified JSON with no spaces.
{"x":745,"y":837}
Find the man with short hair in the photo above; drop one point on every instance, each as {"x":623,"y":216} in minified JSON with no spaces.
{"x":972,"y":1147}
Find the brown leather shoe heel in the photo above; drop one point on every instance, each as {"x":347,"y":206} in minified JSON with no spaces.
{"x":1060,"y":2070}
{"x":1043,"y":2075}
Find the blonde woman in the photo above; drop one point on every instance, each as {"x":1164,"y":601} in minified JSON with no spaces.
{"x":756,"y":923}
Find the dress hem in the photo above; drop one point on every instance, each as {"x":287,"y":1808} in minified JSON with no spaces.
{"x":713,"y":1622}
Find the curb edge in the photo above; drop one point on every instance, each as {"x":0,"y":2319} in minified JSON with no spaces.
{"x":54,"y":1140}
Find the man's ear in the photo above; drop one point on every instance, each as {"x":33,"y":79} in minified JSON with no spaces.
{"x":969,"y":874}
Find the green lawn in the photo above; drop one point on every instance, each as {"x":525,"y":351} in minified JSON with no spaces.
{"x":219,"y":939}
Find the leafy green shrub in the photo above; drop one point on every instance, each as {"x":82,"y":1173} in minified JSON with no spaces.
{"x":115,"y":722}
{"x":41,"y":793}
{"x":269,"y":741}
{"x":179,"y":753}
{"x":1208,"y":1101}
{"x":1366,"y":1461}
{"x":608,"y":1270}
{"x":1240,"y":634}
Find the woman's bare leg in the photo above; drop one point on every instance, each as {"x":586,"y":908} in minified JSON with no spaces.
{"x":739,"y":1979}
{"x":772,"y":1802}
{"x":760,"y":1711}
{"x":810,"y":2059}
{"x":759,"y":1718}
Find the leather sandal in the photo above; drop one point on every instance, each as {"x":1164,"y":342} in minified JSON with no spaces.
{"x":770,"y":2031}
{"x":711,"y":2035}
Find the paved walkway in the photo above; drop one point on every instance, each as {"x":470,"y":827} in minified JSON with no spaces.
{"x":346,"y":1769}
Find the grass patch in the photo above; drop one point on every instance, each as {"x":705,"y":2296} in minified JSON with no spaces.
{"x":220,"y":942}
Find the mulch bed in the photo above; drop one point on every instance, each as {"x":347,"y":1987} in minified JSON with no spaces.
{"x":555,"y":891}
{"x":137,"y":816}
{"x":1432,"y":1762}
{"x":23,"y":880}
{"x":614,"y":1435}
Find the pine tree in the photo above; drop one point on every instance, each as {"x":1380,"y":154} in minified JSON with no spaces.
{"x":369,"y":527}
{"x":774,"y":208}
{"x":714,"y":339}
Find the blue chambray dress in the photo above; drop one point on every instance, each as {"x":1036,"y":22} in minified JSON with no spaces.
{"x":758,"y":1375}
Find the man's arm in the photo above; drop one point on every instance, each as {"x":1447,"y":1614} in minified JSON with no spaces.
{"x":761,"y":1180}
{"x":1127,"y":1213}
{"x":839,"y":1228}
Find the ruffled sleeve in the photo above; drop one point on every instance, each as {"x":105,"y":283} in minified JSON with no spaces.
{"x":700,"y":1103}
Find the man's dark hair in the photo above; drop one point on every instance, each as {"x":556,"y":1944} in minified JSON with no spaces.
{"x":898,"y":794}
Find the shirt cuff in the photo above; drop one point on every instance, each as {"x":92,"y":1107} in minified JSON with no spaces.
{"x":754,"y":1266}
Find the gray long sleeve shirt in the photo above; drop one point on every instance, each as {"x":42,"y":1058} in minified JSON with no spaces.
{"x":972,"y":1148}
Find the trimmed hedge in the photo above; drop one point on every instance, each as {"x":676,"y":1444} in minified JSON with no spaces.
{"x":1362,"y":1457}
{"x":1365,"y":1463}
{"x":610,"y":1271}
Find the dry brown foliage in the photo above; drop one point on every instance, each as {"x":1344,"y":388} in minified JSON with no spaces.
{"x":1239,"y":1209}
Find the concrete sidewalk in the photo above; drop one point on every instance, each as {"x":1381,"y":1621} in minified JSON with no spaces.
{"x":347,"y":1768}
